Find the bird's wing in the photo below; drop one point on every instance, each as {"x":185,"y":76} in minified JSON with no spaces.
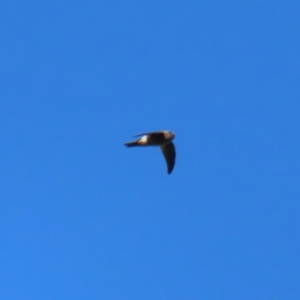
{"x":170,"y":155}
{"x":145,"y":133}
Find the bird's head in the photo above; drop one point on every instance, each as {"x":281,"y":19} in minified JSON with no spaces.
{"x":169,"y":135}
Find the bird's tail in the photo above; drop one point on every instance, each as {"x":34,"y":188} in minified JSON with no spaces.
{"x":132,"y":144}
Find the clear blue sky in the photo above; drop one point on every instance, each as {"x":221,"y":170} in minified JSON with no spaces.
{"x":83,"y":217}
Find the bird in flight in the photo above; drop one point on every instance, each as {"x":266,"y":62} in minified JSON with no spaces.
{"x":163,"y":139}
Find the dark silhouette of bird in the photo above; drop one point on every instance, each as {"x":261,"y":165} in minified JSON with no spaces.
{"x":163,"y":139}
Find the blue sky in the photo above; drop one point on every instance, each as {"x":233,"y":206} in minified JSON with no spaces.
{"x":83,"y":217}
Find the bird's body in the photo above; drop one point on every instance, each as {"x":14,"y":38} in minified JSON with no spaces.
{"x":158,"y":138}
